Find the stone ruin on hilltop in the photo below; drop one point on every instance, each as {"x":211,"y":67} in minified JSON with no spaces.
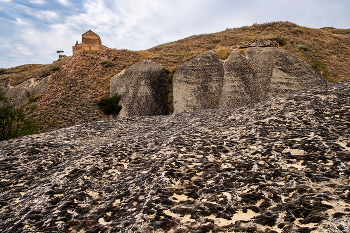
{"x":90,"y":41}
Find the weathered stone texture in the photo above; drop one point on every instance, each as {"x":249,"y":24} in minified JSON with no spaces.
{"x":258,"y":43}
{"x":19,"y":94}
{"x":198,"y":83}
{"x":281,"y":165}
{"x":144,"y":89}
{"x":262,"y":74}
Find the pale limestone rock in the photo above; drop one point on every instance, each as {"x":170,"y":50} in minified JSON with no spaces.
{"x":19,"y":94}
{"x":144,"y":89}
{"x":198,"y":83}
{"x":207,"y":82}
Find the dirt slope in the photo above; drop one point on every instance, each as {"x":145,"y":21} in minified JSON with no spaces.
{"x":78,"y":82}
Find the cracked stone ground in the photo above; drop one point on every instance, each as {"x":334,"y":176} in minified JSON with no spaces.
{"x":282,"y":165}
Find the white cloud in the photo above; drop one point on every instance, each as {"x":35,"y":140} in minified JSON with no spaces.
{"x":21,"y":22}
{"x":46,"y":15}
{"x":140,"y":24}
{"x":40,"y":2}
{"x":64,"y":2}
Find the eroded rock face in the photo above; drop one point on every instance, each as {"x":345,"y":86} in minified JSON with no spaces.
{"x":144,"y":89}
{"x":258,"y":43}
{"x":262,"y":74}
{"x":282,"y":165}
{"x":197,"y":83}
{"x":18,"y":95}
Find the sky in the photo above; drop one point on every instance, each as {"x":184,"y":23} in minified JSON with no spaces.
{"x":31,"y":31}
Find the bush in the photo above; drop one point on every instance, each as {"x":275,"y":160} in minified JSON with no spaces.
{"x":281,"y":40}
{"x":110,"y":105}
{"x":106,"y":63}
{"x":303,"y":47}
{"x":34,"y":98}
{"x":318,"y":65}
{"x":32,"y":106}
{"x":55,"y":67}
{"x":13,"y":122}
{"x":297,"y":30}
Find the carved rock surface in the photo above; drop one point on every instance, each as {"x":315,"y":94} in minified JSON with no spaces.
{"x":262,"y":74}
{"x":281,"y":165}
{"x":19,"y":94}
{"x":144,"y":89}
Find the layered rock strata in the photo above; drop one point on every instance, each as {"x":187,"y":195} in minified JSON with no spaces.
{"x":18,"y":94}
{"x":208,"y":83}
{"x":258,"y":43}
{"x":144,"y":89}
{"x":282,"y":165}
{"x":196,"y":83}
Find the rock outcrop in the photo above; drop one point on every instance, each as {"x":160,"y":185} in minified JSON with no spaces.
{"x":239,"y":81}
{"x":196,"y":83}
{"x":18,"y":95}
{"x":144,"y":89}
{"x":282,"y":165}
{"x":258,"y":43}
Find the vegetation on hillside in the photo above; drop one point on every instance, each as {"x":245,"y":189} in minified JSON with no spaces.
{"x":80,"y":81}
{"x":13,"y":121}
{"x":110,"y":105}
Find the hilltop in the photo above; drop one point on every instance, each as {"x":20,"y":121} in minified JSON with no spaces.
{"x":78,"y":82}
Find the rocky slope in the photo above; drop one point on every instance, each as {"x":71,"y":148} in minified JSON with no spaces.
{"x":282,"y":165}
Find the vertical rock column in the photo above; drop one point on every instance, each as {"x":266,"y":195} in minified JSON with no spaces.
{"x":238,"y":80}
{"x":197,"y":84}
{"x":144,"y":89}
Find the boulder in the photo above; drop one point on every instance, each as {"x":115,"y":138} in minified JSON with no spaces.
{"x":197,"y":84}
{"x":18,"y":94}
{"x":144,"y":89}
{"x":207,"y":82}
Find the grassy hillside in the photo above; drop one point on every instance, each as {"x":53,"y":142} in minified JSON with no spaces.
{"x":78,"y":82}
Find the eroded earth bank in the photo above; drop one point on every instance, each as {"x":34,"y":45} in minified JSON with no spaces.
{"x":282,"y":165}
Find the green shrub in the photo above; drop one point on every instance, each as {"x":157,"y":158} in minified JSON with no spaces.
{"x":32,"y":106}
{"x":281,"y":40}
{"x":244,"y":28}
{"x":13,"y":122}
{"x":318,"y":65}
{"x":106,"y":63}
{"x":45,"y":73}
{"x":55,"y":67}
{"x":297,"y":30}
{"x":302,"y":47}
{"x":110,"y":105}
{"x":34,"y":98}
{"x":2,"y":71}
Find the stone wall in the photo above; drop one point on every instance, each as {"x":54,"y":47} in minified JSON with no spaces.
{"x":90,"y":41}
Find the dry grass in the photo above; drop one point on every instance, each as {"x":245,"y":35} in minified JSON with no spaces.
{"x":83,"y":79}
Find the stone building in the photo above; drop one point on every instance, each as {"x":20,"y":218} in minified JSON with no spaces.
{"x":90,"y":41}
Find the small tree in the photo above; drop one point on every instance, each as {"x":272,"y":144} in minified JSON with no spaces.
{"x":110,"y":105}
{"x":59,"y":51}
{"x":13,"y":122}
